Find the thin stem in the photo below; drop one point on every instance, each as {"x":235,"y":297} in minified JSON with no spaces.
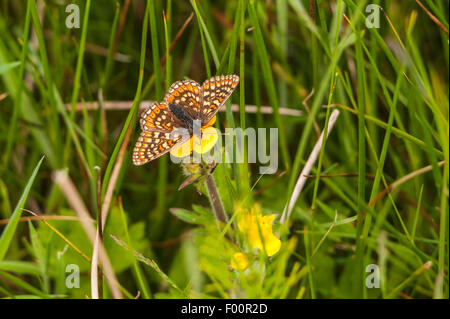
{"x":214,"y":197}
{"x":99,"y":229}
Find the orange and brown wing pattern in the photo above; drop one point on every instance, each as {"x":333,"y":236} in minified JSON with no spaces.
{"x":158,"y":121}
{"x":158,"y":117}
{"x":152,"y":144}
{"x":186,"y":94}
{"x":216,"y":91}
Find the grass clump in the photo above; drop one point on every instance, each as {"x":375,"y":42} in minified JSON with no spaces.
{"x":375,"y":191}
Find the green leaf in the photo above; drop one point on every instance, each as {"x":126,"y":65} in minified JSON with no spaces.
{"x":192,"y":217}
{"x":8,"y":66}
{"x":20,"y":267}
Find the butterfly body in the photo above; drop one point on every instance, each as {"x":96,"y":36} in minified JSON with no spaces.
{"x":186,"y":105}
{"x":183,"y":116}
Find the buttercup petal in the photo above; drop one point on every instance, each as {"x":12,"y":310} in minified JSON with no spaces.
{"x":239,"y":261}
{"x":210,"y":122}
{"x":259,"y":228}
{"x":272,"y":244}
{"x":208,"y":140}
{"x":184,"y":149}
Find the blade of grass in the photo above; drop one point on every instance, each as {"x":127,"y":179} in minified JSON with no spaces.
{"x":338,"y":18}
{"x":53,"y":120}
{"x":308,"y":247}
{"x":268,"y":80}
{"x":416,"y":217}
{"x":140,"y":278}
{"x":414,"y":275}
{"x":202,"y":37}
{"x":306,"y":169}
{"x":398,"y":132}
{"x":204,"y":30}
{"x":24,"y":285}
{"x":40,"y":254}
{"x":150,"y":263}
{"x":111,"y":50}
{"x":20,"y":267}
{"x":8,"y":232}
{"x":77,"y":80}
{"x":9,"y":66}
{"x":243,"y":167}
{"x":132,"y":114}
{"x":71,"y":128}
{"x":361,"y":101}
{"x":75,"y":92}
{"x":18,"y":99}
{"x":158,"y":216}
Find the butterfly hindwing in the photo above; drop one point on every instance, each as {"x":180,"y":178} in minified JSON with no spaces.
{"x":152,"y":144}
{"x":216,"y":91}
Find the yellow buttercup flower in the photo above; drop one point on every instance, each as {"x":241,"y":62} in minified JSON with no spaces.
{"x":184,"y":149}
{"x":239,"y":261}
{"x":248,"y":224}
{"x":201,"y":144}
{"x":207,"y":141}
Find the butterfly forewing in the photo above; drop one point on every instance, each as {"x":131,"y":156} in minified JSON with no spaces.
{"x":152,"y":144}
{"x":158,"y":117}
{"x":187,"y":95}
{"x":216,"y":91}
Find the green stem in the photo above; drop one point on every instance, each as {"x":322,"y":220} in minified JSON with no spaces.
{"x":214,"y":197}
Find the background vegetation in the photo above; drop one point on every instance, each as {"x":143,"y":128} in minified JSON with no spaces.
{"x":378,"y":193}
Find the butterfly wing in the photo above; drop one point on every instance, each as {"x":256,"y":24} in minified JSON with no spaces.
{"x":151,"y":145}
{"x":186,"y":94}
{"x":216,"y":91}
{"x":158,"y":117}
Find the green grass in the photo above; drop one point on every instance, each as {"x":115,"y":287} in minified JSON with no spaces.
{"x":390,"y":84}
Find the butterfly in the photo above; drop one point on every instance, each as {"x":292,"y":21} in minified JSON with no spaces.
{"x":185,"y":103}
